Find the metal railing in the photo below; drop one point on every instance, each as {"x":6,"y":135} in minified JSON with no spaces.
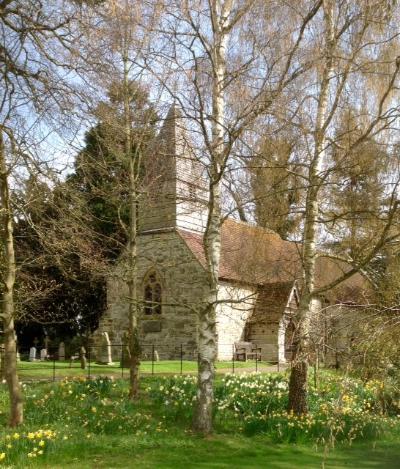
{"x":113,"y":360}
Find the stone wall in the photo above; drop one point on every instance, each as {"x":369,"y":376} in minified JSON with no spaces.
{"x":183,"y":283}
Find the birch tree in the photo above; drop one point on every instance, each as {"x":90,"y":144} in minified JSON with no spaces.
{"x":213,"y":57}
{"x":348,"y":33}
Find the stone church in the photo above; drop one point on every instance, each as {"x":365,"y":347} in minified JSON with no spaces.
{"x":259,"y":272}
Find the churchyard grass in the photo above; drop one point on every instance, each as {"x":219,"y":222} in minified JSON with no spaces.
{"x":90,"y":423}
{"x":61,"y":369}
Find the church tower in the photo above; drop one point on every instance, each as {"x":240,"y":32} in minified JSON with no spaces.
{"x":175,"y":190}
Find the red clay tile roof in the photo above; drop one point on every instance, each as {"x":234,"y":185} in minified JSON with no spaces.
{"x":256,"y":256}
{"x":250,"y":254}
{"x":272,"y":298}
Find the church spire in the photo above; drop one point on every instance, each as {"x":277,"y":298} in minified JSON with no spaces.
{"x":169,"y":134}
{"x":175,"y":186}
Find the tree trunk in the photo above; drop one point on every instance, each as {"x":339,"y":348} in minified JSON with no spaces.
{"x":206,"y":372}
{"x":133,"y":336}
{"x":298,"y":377}
{"x":212,"y":237}
{"x":207,"y":318}
{"x":299,"y":372}
{"x":10,"y":344}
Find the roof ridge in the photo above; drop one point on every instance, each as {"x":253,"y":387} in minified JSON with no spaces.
{"x":252,"y":225}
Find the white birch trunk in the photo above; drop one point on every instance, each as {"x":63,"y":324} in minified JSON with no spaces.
{"x":212,"y":236}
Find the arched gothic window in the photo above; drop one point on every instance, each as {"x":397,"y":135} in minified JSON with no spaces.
{"x":152,"y":295}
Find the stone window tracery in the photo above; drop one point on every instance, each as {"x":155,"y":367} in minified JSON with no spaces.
{"x":152,"y":295}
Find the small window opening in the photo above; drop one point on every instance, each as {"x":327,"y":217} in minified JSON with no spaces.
{"x":152,"y":295}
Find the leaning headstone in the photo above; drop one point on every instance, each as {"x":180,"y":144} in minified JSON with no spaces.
{"x":61,"y":351}
{"x":156,"y":356}
{"x":104,"y":354}
{"x":43,"y":354}
{"x":82,"y":357}
{"x":18,"y":357}
{"x":32,"y":354}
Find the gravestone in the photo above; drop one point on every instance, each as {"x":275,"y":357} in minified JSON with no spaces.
{"x":43,"y":354}
{"x":82,"y":357}
{"x":32,"y":354}
{"x":61,"y":351}
{"x":104,"y":352}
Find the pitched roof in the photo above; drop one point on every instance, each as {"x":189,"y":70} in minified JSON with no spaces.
{"x":273,"y":298}
{"x":257,"y":256}
{"x":249,"y":254}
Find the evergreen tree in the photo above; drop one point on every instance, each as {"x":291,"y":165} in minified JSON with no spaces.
{"x":101,"y":172}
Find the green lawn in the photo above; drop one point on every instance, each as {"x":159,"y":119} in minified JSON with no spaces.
{"x":46,"y":370}
{"x":180,"y":450}
{"x":95,"y":426}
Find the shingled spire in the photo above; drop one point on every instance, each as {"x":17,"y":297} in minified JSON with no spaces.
{"x":176,"y":191}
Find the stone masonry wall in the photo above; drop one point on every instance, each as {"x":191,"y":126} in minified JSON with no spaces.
{"x":183,"y":282}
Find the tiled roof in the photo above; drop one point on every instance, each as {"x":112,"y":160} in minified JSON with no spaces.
{"x":273,"y":298}
{"x":250,"y":254}
{"x":256,"y":256}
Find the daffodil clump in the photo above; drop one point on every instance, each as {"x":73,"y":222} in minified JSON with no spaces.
{"x":73,"y":412}
{"x":246,"y":394}
{"x":341,"y":408}
{"x":100,"y":406}
{"x":31,"y":444}
{"x":176,"y":395}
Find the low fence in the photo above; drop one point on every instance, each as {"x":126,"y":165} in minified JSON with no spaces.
{"x":113,"y":360}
